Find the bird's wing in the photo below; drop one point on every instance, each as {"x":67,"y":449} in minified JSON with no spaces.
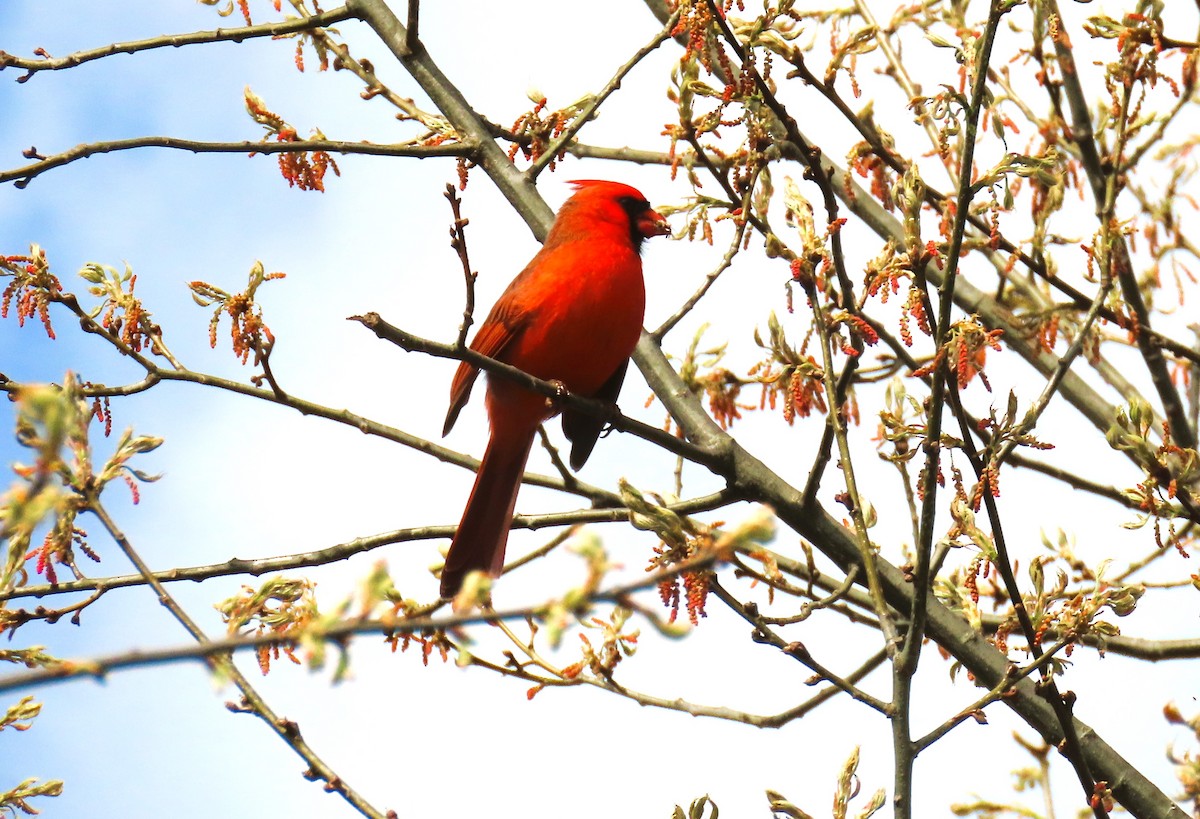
{"x":499,"y":329}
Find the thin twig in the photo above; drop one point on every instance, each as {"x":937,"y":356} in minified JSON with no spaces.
{"x":899,"y":72}
{"x":413,"y":22}
{"x":998,"y":692}
{"x":359,"y":422}
{"x":99,"y":667}
{"x":596,"y":101}
{"x":24,"y":174}
{"x":365,"y":71}
{"x":15,"y":618}
{"x":237,"y":35}
{"x":966,"y":192}
{"x":1039,"y":405}
{"x":1071,"y":748}
{"x":764,"y":634}
{"x":342,"y":551}
{"x":458,"y":241}
{"x":679,"y":704}
{"x":726,"y":260}
{"x":856,"y":609}
{"x":555,"y":456}
{"x":825,"y":602}
{"x":1073,"y":480}
{"x":618,"y":421}
{"x":1102,"y":176}
{"x":222,"y":665}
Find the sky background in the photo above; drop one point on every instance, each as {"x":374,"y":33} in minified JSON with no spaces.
{"x":250,"y":480}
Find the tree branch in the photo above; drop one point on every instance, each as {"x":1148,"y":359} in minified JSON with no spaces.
{"x":237,"y":35}
{"x":797,"y":651}
{"x":25,"y":174}
{"x":222,"y":665}
{"x":99,"y":667}
{"x":359,"y":422}
{"x":257,"y":567}
{"x":998,"y":692}
{"x":589,"y":111}
{"x":622,"y":423}
{"x":1100,"y":174}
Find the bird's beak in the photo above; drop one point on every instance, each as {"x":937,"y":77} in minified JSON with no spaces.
{"x":651,"y":223}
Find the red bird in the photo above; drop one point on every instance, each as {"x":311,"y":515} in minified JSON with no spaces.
{"x":573,"y":315}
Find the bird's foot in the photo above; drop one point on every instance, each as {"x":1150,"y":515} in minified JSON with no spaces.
{"x":612,"y":414}
{"x":555,"y":404}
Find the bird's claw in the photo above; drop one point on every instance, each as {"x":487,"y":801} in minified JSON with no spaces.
{"x":612,"y":413}
{"x":560,"y":394}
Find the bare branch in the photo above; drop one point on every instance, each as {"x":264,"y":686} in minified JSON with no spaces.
{"x":237,"y":35}
{"x":589,"y":111}
{"x":734,"y":246}
{"x":359,"y":422}
{"x":764,"y":634}
{"x":222,"y":664}
{"x":1101,"y":179}
{"x":998,"y":692}
{"x":623,"y":423}
{"x":100,"y":667}
{"x":331,"y":554}
{"x":458,"y":241}
{"x":414,"y":20}
{"x":514,"y":185}
{"x":23,"y":175}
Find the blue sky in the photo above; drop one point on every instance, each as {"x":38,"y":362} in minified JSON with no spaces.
{"x":248,"y":480}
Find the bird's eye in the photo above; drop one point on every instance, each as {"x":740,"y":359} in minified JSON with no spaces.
{"x":633,"y":206}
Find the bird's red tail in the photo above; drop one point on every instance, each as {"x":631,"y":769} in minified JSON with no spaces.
{"x":483,"y":532}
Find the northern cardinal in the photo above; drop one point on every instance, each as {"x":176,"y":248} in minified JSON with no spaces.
{"x":573,"y":315}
